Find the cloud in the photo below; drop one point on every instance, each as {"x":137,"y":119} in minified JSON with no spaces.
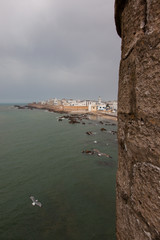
{"x":58,"y":48}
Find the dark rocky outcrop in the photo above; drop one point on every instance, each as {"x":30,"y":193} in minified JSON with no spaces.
{"x":138,"y":176}
{"x":96,"y":152}
{"x":89,"y":133}
{"x":74,"y":118}
{"x":23,"y":107}
{"x":103,"y":129}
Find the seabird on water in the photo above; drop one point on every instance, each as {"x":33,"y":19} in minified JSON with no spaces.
{"x":35,"y":202}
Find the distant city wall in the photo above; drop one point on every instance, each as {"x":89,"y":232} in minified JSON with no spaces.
{"x":58,"y":108}
{"x":138,"y":176}
{"x":75,"y":108}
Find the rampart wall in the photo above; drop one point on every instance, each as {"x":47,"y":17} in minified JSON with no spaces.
{"x":75,"y":108}
{"x":138,"y":176}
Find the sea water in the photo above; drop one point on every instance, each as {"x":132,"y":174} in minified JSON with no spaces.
{"x":42,"y":156}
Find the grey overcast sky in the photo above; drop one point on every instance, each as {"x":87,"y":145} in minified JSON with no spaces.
{"x":58,"y":48}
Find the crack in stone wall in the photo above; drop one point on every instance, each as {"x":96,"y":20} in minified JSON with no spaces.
{"x":145,"y":17}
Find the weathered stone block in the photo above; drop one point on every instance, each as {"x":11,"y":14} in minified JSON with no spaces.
{"x":141,"y":140}
{"x":145,"y":193}
{"x":138,"y":85}
{"x":148,"y":76}
{"x":152,"y":16}
{"x":132,"y":25}
{"x":130,"y":224}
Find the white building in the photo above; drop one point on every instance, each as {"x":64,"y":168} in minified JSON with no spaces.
{"x":43,"y":102}
{"x":101,"y":106}
{"x":92,"y":106}
{"x":113,"y":105}
{"x":50,"y":101}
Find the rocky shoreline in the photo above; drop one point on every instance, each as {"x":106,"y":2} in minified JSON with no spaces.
{"x":79,"y":118}
{"x":58,"y":109}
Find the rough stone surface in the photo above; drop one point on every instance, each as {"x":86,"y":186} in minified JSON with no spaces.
{"x":145,"y":193}
{"x":138,"y":176}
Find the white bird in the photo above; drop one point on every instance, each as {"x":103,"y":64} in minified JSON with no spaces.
{"x":35,"y":202}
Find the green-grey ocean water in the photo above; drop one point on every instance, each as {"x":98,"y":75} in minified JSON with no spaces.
{"x":43,"y":157}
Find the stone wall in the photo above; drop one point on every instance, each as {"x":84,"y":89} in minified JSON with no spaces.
{"x":138,"y":176}
{"x":75,"y":108}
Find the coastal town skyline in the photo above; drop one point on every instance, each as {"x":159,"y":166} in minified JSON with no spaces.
{"x":63,"y":49}
{"x":74,"y":105}
{"x":75,"y":101}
